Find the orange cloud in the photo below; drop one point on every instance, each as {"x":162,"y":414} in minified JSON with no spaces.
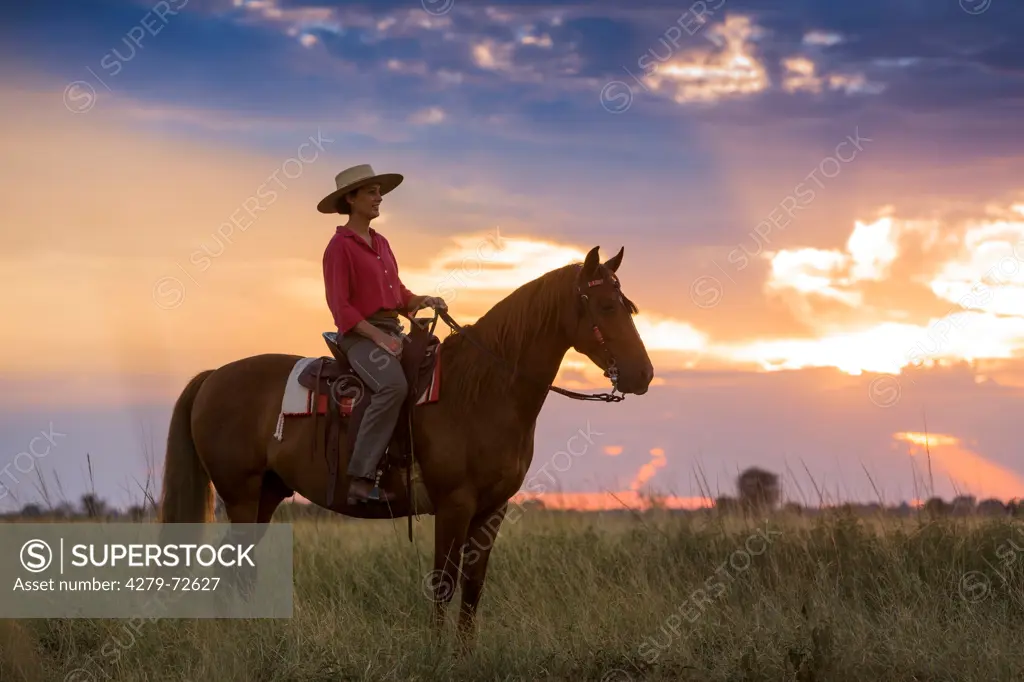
{"x":647,"y":471}
{"x":710,"y":75}
{"x":983,"y":286}
{"x":613,"y":450}
{"x":970,"y":473}
{"x":732,"y":70}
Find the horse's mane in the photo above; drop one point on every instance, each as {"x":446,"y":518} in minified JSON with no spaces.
{"x":516,"y":321}
{"x":532,"y":309}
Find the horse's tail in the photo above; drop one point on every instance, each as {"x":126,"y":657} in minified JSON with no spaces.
{"x":187,"y":495}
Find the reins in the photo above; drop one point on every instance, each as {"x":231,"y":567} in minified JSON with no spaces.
{"x":611,"y":372}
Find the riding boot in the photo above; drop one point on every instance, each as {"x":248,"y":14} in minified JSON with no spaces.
{"x":362,"y":490}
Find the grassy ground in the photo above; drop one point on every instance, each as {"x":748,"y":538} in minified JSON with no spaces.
{"x":581,"y":597}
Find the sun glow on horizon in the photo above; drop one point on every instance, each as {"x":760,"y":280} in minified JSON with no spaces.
{"x":613,"y":501}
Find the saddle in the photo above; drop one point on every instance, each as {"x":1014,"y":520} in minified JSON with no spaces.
{"x":334,"y":378}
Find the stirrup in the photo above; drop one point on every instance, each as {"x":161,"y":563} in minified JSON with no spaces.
{"x":374,"y":495}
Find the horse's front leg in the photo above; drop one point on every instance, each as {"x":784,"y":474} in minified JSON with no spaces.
{"x":450,"y":527}
{"x":483,"y":531}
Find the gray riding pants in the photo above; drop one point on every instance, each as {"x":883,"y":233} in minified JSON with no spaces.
{"x":383,"y":377}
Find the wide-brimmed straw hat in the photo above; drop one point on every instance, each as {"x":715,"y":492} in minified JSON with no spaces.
{"x":354,"y":178}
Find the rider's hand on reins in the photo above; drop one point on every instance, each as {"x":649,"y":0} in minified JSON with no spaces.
{"x":435,"y":302}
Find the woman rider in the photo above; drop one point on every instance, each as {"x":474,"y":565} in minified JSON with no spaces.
{"x":366,"y":296}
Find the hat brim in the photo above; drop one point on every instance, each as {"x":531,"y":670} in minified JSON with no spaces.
{"x":387,"y":182}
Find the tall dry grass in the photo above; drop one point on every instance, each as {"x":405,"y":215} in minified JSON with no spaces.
{"x":586,"y":597}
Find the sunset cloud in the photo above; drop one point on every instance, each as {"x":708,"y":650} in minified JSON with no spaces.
{"x":732,"y":69}
{"x":648,"y":470}
{"x":969,"y":472}
{"x":799,"y":75}
{"x":492,"y":55}
{"x":706,"y":75}
{"x":870,"y":251}
{"x":428,"y":116}
{"x":822,"y":38}
{"x":982,"y":284}
{"x":988,"y":272}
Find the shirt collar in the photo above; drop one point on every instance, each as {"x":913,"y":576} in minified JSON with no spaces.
{"x":346,"y":232}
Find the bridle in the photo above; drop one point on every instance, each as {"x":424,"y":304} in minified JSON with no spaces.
{"x":612,"y":372}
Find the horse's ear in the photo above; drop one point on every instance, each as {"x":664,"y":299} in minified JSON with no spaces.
{"x":614,"y":262}
{"x":591,"y":263}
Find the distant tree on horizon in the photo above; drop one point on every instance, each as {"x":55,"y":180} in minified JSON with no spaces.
{"x":31,"y":511}
{"x":936,"y":506}
{"x":793,"y":508}
{"x":964,"y":505}
{"x":93,"y":506}
{"x":758,"y":489}
{"x":726,"y":504}
{"x":137,"y":512}
{"x":64,"y":510}
{"x":992,"y":507}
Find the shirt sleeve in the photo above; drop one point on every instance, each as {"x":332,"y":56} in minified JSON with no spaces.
{"x":406,"y":295}
{"x":336,"y":286}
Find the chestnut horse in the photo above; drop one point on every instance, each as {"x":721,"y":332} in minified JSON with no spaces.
{"x":473,"y":445}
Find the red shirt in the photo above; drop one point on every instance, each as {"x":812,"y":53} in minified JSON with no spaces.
{"x":359,"y":279}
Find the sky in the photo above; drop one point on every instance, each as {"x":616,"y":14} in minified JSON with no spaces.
{"x":820,"y":205}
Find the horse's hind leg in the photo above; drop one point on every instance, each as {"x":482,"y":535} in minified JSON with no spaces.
{"x":242,"y":502}
{"x":249,"y":514}
{"x":242,"y":505}
{"x":272,"y":493}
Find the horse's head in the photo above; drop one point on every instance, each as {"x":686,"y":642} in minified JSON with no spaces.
{"x":603,"y":328}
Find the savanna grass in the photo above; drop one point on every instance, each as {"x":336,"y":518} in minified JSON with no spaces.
{"x":589,"y":597}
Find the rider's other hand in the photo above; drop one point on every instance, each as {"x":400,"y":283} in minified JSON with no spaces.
{"x":389,"y":343}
